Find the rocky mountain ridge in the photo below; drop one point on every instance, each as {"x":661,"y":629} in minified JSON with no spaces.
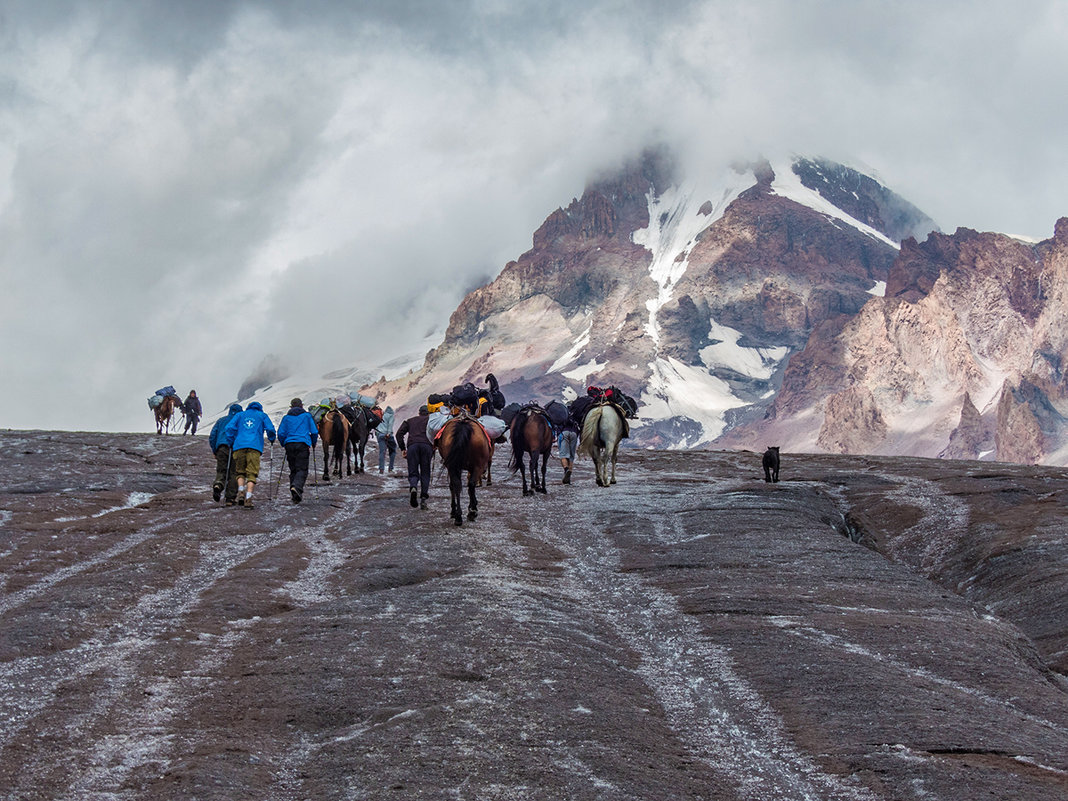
{"x":689,"y":293}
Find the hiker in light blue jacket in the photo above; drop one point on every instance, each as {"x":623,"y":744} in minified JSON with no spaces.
{"x":386,"y":440}
{"x":247,"y":430}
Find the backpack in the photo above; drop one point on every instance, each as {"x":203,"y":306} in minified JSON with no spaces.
{"x":557,"y":413}
{"x":372,"y":419}
{"x":509,"y":412}
{"x":465,"y":394}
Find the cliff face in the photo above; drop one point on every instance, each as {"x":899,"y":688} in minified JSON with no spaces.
{"x":963,"y":357}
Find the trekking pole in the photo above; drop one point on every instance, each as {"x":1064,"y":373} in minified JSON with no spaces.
{"x":226,"y":481}
{"x":278,"y":483}
{"x":270,"y":472}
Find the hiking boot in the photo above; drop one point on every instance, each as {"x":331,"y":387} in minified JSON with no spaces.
{"x":414,"y":497}
{"x":230,"y":503}
{"x":567,"y":476}
{"x":295,"y":494}
{"x":248,"y":503}
{"x":422,"y":503}
{"x":240,"y":500}
{"x":216,"y":491}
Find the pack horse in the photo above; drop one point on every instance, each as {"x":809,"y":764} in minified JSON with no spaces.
{"x":602,"y":431}
{"x":464,"y":445}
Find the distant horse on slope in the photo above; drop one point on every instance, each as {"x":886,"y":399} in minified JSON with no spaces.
{"x":164,"y":411}
{"x":334,"y":435}
{"x":531,"y":432}
{"x":602,"y":431}
{"x":464,"y":445}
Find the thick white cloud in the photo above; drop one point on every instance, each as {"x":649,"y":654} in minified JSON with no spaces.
{"x":185,"y":187}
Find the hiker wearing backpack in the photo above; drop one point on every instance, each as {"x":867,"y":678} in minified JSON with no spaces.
{"x":567,"y":445}
{"x":246,"y":430}
{"x":386,"y":440}
{"x":193,"y":411}
{"x":298,"y":434}
{"x":225,"y":477}
{"x":420,"y":453}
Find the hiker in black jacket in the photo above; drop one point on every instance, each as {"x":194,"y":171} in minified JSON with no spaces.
{"x":193,"y":411}
{"x":419,"y":452}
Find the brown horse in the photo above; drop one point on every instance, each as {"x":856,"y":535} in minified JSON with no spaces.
{"x":164,"y":411}
{"x":531,"y":433}
{"x":464,"y":445}
{"x":334,"y":435}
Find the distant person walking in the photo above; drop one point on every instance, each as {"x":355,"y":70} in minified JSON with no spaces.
{"x":567,"y":446}
{"x":193,"y":411}
{"x":298,"y":434}
{"x":246,"y":430}
{"x":225,"y":477}
{"x":386,"y":440}
{"x":420,"y":453}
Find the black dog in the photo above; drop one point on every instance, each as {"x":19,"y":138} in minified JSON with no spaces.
{"x":771,"y":464}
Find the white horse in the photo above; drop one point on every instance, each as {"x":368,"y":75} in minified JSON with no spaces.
{"x":601,"y":432}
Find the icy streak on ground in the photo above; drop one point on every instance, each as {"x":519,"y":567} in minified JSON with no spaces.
{"x":722,"y":720}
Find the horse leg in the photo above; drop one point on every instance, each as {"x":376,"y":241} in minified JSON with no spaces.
{"x":544,"y":463}
{"x":523,"y":473}
{"x":614,"y":452}
{"x":472,"y":504}
{"x":454,"y":491}
{"x":326,"y":462}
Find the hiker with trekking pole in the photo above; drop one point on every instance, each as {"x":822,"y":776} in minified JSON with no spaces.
{"x":225,"y":478}
{"x":247,"y":430}
{"x":298,"y":434}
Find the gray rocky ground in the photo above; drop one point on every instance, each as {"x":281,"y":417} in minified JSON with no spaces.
{"x":865,"y":629}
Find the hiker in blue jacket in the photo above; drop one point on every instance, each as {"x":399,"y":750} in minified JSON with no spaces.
{"x":387,"y":442}
{"x":246,"y":431}
{"x":298,"y":434}
{"x":221,"y":447}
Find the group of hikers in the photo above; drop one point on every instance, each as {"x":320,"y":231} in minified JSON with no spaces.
{"x":237,"y":440}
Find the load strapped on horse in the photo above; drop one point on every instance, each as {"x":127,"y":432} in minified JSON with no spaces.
{"x":163,"y":405}
{"x":480,"y":404}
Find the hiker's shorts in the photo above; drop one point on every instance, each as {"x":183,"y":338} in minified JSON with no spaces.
{"x":567,"y":444}
{"x":247,"y":464}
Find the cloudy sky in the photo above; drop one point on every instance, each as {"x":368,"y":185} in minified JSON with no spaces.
{"x":188,"y":185}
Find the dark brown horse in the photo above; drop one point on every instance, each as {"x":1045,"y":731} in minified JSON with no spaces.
{"x":464,"y":445}
{"x":531,"y":432}
{"x":164,"y":411}
{"x":358,"y":435}
{"x":334,"y":435}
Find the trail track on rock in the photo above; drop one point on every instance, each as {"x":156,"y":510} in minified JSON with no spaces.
{"x":691,"y":633}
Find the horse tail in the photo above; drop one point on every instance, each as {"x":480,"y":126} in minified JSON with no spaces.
{"x":591,"y":434}
{"x":519,"y":441}
{"x":454,"y":458}
{"x":610,"y":428}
